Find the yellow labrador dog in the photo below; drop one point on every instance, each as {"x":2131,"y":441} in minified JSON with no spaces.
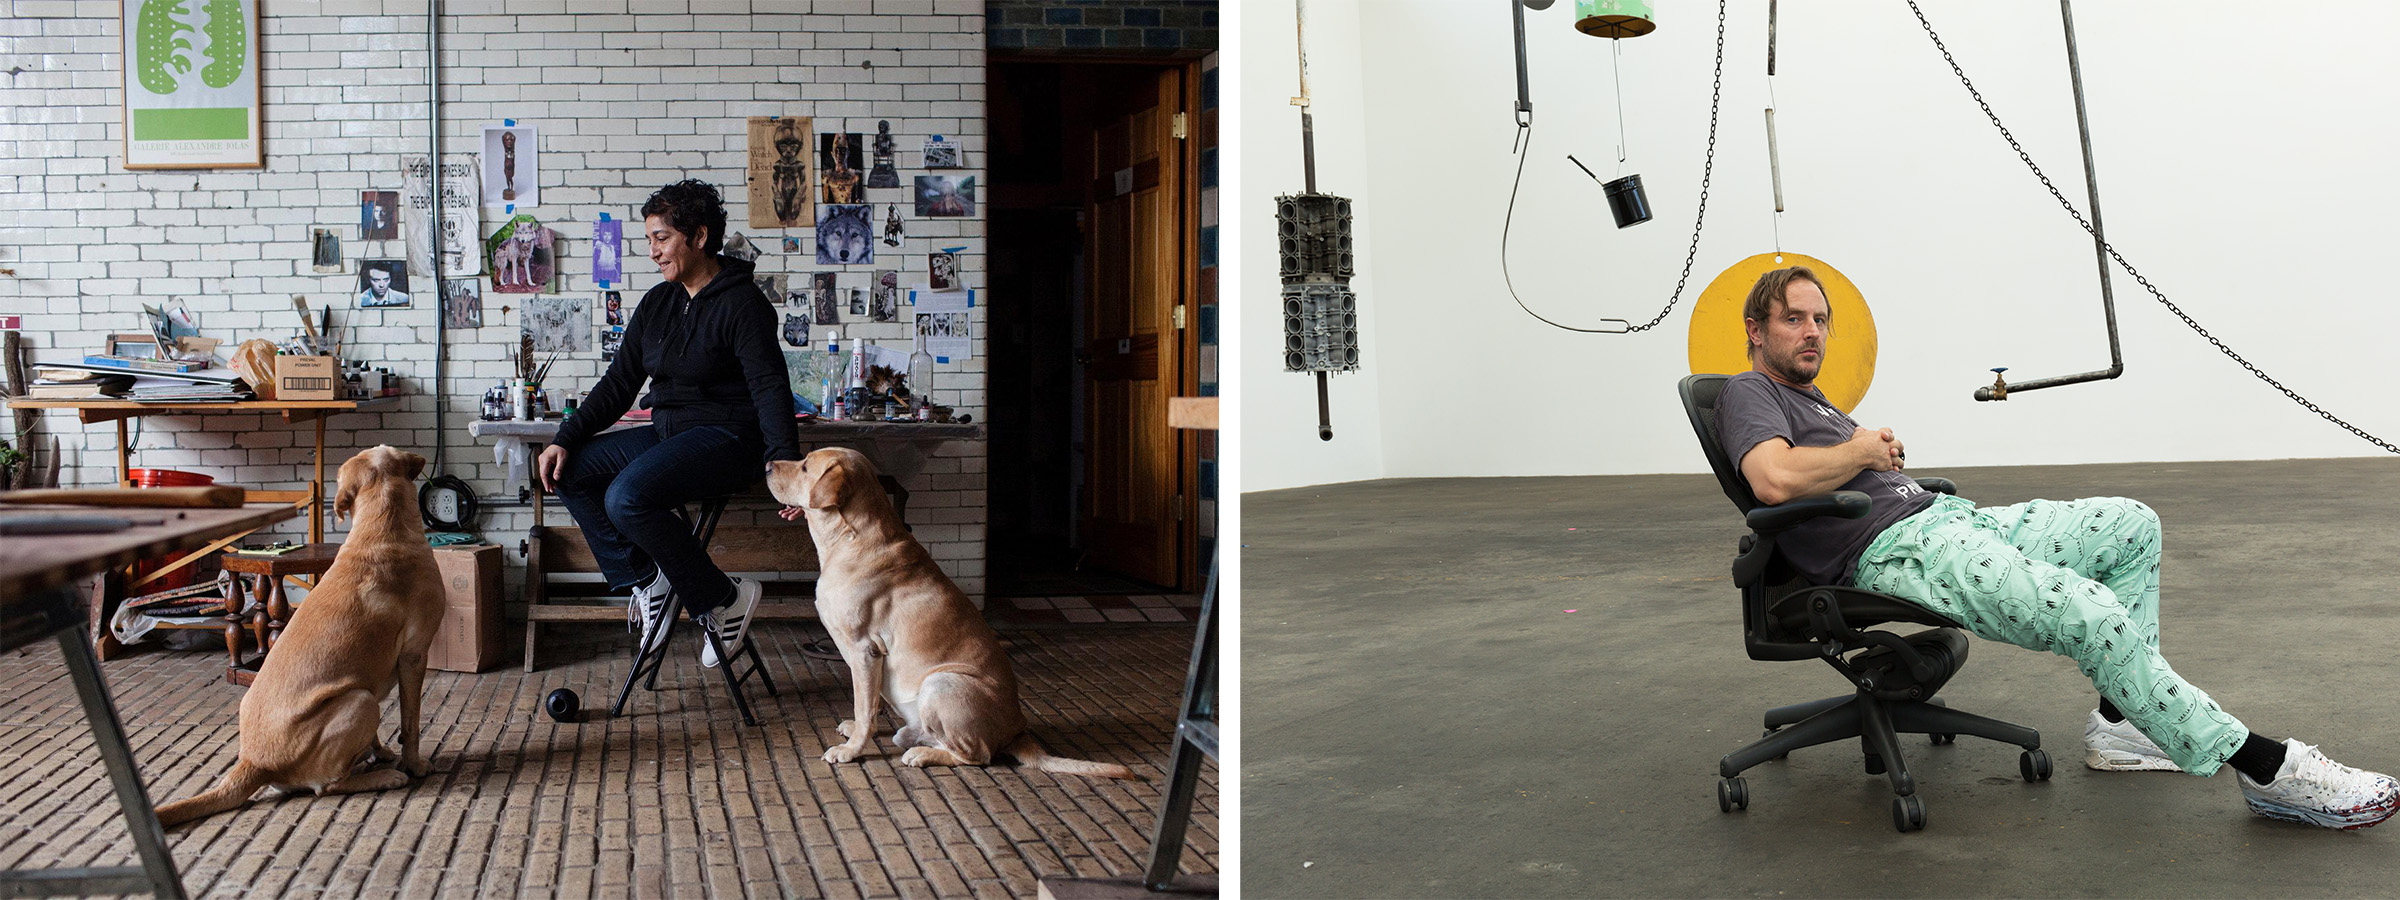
{"x":310,"y":720}
{"x":908,"y":633}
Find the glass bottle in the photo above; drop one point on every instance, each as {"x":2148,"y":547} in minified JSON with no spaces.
{"x":920,"y":373}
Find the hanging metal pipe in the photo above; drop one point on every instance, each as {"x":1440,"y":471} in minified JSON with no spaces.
{"x":1516,"y":8}
{"x":1774,"y":161}
{"x":2091,"y":181}
{"x":433,"y":140}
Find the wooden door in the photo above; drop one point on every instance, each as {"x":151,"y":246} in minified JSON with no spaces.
{"x":1135,"y":497}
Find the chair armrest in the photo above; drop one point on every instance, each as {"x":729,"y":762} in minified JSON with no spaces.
{"x":1846,"y":504}
{"x":1939,"y":485}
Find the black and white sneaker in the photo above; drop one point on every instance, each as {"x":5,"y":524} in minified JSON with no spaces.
{"x":730,"y":622}
{"x":646,"y":612}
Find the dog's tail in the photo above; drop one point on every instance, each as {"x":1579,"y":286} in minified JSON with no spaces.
{"x":1030,"y":752}
{"x":232,"y":790}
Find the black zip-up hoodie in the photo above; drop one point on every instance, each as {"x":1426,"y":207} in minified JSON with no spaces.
{"x":710,"y":360}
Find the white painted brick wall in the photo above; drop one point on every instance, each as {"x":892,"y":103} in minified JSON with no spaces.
{"x":627,"y":94}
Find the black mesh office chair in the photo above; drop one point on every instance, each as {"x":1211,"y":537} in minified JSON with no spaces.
{"x":1785,"y":618}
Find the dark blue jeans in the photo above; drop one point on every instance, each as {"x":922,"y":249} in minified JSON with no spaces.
{"x":624,"y":488}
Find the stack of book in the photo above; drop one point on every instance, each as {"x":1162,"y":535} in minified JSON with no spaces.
{"x":195,"y":383}
{"x":76,"y":384}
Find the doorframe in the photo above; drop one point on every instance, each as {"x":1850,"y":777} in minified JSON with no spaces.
{"x":1186,"y":377}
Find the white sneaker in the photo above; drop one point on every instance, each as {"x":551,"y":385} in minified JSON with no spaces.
{"x":646,"y":611}
{"x":730,"y":622}
{"x":2120,"y":747}
{"x":2318,"y":791}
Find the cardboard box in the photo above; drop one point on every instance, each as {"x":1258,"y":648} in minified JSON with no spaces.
{"x":306,"y":378}
{"x":470,"y":639}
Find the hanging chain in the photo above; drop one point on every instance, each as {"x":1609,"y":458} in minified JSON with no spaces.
{"x":1716,"y":91}
{"x":2120,"y":259}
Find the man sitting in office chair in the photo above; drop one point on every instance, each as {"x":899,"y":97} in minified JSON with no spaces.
{"x":2078,"y":578}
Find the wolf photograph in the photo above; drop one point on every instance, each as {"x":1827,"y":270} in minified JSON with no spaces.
{"x":845,"y":234}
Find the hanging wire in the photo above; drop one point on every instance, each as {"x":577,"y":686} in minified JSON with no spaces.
{"x":2086,"y":225}
{"x":1708,"y":169}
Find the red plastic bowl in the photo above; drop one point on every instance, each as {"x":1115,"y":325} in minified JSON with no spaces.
{"x":169,"y":478}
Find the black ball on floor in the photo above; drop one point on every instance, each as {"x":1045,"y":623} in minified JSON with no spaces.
{"x":562,"y":704}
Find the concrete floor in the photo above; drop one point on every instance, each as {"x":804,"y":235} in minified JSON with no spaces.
{"x":1424,"y":717}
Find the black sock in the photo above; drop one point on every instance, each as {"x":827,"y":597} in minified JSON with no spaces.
{"x":2109,"y":711}
{"x":2260,"y":758}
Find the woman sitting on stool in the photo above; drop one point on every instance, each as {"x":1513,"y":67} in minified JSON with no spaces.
{"x":722,"y":408}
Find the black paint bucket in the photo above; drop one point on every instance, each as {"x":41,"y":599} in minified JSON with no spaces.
{"x":1626,"y":201}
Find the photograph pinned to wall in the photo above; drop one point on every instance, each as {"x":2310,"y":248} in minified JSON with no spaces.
{"x":612,"y":303}
{"x":608,"y":252}
{"x":325,"y":249}
{"x":791,"y":244}
{"x":460,"y":214}
{"x":378,"y":215}
{"x":941,"y":196}
{"x":191,"y":108}
{"x":845,"y":234}
{"x":558,"y":323}
{"x":946,"y":334}
{"x":382,"y":283}
{"x":809,"y":373}
{"x":838,"y":167}
{"x":892,"y":231}
{"x":797,"y":297}
{"x":770,"y":285}
{"x":942,"y":272}
{"x":940,"y":153}
{"x":522,"y":257}
{"x":795,"y":329}
{"x":885,"y":174}
{"x":827,"y":309}
{"x":779,"y":156}
{"x":858,"y":302}
{"x":512,"y":169}
{"x":462,"y":303}
{"x":612,"y":339}
{"x":887,"y":295}
{"x":738,"y":246}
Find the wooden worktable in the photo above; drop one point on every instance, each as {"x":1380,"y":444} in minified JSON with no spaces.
{"x":293,"y":411}
{"x":34,"y":604}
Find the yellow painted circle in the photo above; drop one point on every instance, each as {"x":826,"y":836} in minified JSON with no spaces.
{"x":1719,"y":344}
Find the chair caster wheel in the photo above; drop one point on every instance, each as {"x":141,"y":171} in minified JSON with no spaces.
{"x":2034,"y":765}
{"x":1908,"y":814}
{"x":1874,"y":765}
{"x":1943,"y":739}
{"x":1732,"y":794}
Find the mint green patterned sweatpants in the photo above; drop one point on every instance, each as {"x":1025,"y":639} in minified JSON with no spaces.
{"x":2078,"y":578}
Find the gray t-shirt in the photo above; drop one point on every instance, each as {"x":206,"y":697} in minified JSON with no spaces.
{"x":1753,"y":409}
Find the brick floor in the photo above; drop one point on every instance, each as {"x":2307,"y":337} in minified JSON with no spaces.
{"x":675,"y":799}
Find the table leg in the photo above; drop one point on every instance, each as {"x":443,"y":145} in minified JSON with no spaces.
{"x":534,"y":480}
{"x":149,"y":840}
{"x":123,"y":453}
{"x":316,"y":490}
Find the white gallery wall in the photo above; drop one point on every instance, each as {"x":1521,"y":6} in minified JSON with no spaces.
{"x":2244,"y":169}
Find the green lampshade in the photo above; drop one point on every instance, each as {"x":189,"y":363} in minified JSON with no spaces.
{"x":1614,"y":18}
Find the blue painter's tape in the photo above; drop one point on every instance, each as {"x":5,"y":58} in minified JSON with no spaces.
{"x":941,"y":359}
{"x":954,"y":249}
{"x":508,"y":123}
{"x":604,"y":284}
{"x":512,"y":209}
{"x":604,"y":217}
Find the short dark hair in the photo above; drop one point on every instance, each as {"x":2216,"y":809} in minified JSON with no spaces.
{"x":689,"y":206}
{"x":1768,"y":294}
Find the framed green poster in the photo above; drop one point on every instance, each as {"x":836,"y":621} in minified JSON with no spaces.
{"x":192,"y":90}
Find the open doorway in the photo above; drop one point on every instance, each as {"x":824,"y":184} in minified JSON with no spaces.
{"x":1093,"y":223}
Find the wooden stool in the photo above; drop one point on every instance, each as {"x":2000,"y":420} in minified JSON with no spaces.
{"x":266,"y":620}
